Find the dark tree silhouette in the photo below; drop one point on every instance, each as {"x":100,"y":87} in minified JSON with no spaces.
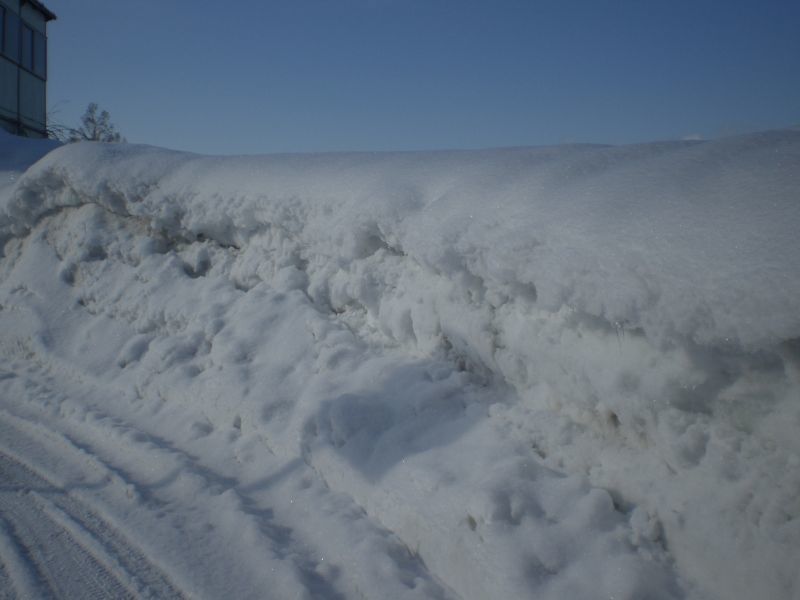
{"x":95,"y":126}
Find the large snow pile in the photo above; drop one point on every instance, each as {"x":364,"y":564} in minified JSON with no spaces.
{"x":566,"y":372}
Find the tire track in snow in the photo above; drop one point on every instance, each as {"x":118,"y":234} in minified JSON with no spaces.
{"x":5,"y":580}
{"x":58,"y":547}
{"x":160,"y":476}
{"x":17,"y":577}
{"x":154,"y":474}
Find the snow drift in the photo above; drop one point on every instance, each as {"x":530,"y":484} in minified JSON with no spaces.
{"x":550,"y":372}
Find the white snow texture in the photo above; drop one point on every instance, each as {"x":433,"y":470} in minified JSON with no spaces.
{"x":560,"y":372}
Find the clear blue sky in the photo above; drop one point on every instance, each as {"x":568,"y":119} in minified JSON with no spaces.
{"x":259,"y":76}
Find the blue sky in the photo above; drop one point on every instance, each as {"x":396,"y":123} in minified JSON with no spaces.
{"x":258,"y":76}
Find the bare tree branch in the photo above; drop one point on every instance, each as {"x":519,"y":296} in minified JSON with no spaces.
{"x":94,"y":127}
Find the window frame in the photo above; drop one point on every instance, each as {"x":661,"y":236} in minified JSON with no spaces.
{"x":39,"y":62}
{"x":29,"y":53}
{"x":11,"y":51}
{"x":26,"y":46}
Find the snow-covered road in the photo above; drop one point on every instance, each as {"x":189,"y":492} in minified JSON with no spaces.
{"x":95,"y":507}
{"x":57,"y":539}
{"x":54,"y":545}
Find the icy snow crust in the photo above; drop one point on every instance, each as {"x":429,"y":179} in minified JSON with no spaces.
{"x":567,"y":372}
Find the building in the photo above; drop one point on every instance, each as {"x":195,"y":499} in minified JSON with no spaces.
{"x":23,"y":66}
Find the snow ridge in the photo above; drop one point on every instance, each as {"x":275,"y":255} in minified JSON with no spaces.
{"x":528,"y":364}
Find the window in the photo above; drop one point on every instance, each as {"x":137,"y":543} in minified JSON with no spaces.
{"x":11,"y":35}
{"x":27,"y":48}
{"x":40,"y":55}
{"x":30,"y":50}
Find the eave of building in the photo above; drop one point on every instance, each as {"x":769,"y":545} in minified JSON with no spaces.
{"x":48,"y":14}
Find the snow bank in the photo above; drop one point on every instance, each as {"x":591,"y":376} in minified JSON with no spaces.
{"x":683,"y":239}
{"x":550,"y":371}
{"x":17,"y":154}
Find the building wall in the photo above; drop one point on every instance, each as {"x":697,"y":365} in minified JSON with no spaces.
{"x":23,"y":86}
{"x":33,"y":100}
{"x":34,"y":18}
{"x":8,"y":79}
{"x":8,"y":88}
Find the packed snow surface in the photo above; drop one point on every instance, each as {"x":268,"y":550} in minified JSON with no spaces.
{"x":563,"y":372}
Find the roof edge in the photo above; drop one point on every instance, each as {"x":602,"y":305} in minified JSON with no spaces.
{"x":49,"y":15}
